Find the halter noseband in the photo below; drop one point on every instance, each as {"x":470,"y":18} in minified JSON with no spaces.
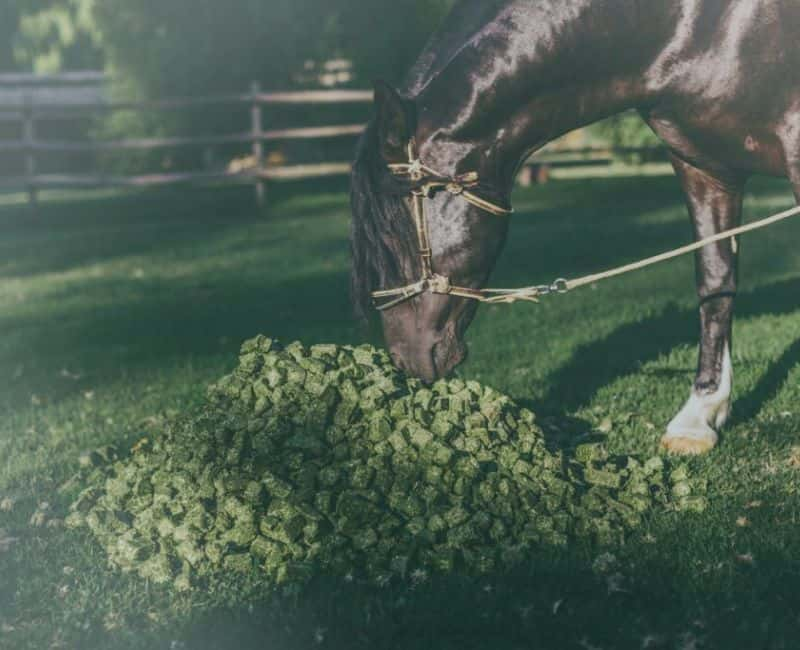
{"x":430,"y":282}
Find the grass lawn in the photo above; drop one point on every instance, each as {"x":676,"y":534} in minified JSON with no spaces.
{"x":118,"y":309}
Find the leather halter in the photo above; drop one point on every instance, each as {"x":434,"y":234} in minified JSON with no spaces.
{"x":460,"y":185}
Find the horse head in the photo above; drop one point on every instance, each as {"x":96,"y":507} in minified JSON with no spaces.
{"x":425,"y":332}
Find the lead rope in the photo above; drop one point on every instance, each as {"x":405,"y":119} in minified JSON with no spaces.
{"x":683,"y":250}
{"x":437,"y":284}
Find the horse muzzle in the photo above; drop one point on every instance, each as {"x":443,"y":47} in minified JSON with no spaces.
{"x":428,"y":360}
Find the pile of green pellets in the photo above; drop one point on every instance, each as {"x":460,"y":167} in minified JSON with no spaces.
{"x":327,"y":460}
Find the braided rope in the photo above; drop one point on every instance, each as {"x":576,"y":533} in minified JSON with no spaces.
{"x":683,"y":250}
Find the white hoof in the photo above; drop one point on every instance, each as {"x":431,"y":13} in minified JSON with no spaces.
{"x":692,"y":430}
{"x":686,"y":437}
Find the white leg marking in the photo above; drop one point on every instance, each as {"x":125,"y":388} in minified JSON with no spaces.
{"x":692,"y":430}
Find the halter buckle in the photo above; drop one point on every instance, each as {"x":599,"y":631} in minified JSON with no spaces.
{"x":439,"y":284}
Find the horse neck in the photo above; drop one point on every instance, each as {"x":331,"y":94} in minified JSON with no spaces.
{"x":522,"y":74}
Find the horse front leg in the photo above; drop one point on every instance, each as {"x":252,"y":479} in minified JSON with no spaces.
{"x":715,"y":205}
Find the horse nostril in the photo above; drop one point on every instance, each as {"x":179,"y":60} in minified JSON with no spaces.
{"x":436,"y":361}
{"x":447,"y":357}
{"x":397,"y":359}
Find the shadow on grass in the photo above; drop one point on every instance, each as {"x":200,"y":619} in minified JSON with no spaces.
{"x":97,"y":228}
{"x":150,"y":322}
{"x":627,"y":348}
{"x":147,"y":330}
{"x":747,"y":406}
{"x":557,"y":602}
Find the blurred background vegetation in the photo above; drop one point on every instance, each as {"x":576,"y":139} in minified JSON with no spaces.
{"x":154,"y":49}
{"x":179,"y":47}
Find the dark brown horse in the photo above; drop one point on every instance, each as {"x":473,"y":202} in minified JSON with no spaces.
{"x":717,"y":80}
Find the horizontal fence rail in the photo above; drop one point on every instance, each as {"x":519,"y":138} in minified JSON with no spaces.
{"x":52,"y":111}
{"x":60,"y":78}
{"x":306,"y":133}
{"x":290,"y":172}
{"x":254,"y":170}
{"x":29,"y":113}
{"x":103,"y":180}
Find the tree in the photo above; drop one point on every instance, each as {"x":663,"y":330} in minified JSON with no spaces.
{"x":384,"y":38}
{"x":626,"y":130}
{"x":200,"y":46}
{"x":185,"y":46}
{"x":158,"y":48}
{"x":165,"y":48}
{"x":48,"y":35}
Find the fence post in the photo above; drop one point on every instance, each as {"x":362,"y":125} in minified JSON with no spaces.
{"x":29,"y":138}
{"x":256,"y":126}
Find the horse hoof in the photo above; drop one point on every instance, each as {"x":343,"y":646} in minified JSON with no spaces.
{"x":691,"y":432}
{"x":683,"y":446}
{"x":689,"y":435}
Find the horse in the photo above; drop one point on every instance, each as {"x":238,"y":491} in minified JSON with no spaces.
{"x":717,"y":80}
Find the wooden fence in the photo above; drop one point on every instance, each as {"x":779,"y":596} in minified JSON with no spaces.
{"x":30,"y":145}
{"x":30,"y":114}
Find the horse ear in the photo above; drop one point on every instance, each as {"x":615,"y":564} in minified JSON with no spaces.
{"x":395,"y":121}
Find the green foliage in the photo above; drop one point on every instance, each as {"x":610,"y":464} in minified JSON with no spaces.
{"x":48,"y":35}
{"x":384,"y":38}
{"x":60,"y":36}
{"x":184,"y":47}
{"x":626,"y":130}
{"x":158,"y":49}
{"x":188,"y":46}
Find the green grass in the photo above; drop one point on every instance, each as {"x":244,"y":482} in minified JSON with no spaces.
{"x":118,"y":309}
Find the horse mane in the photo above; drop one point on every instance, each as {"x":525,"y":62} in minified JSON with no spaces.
{"x":382,"y":233}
